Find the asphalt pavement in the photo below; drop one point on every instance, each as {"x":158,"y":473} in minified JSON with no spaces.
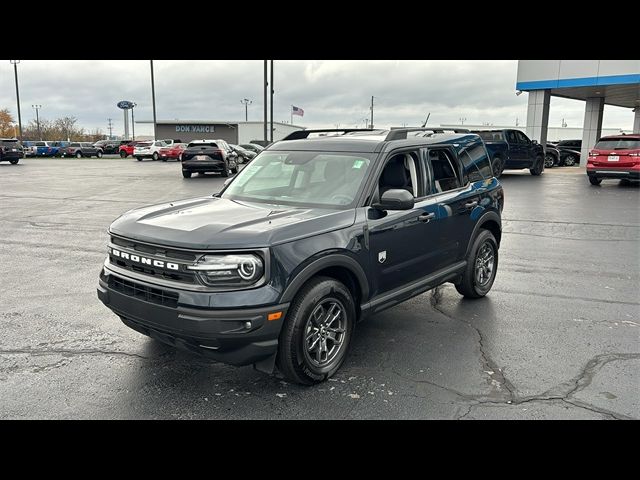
{"x":557,"y":337}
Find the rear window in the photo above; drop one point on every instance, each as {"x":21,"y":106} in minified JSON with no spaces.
{"x":618,"y":144}
{"x":74,"y":145}
{"x":490,"y":136}
{"x":200,"y":144}
{"x":40,"y":144}
{"x":143,"y":144}
{"x":9,"y":143}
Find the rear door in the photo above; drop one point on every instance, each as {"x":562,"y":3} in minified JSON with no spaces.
{"x":528,"y":148}
{"x":517,"y":152}
{"x":456,"y":197}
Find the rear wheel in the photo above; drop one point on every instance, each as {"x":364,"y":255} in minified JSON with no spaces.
{"x":482,"y":266}
{"x":164,"y":159}
{"x":154,"y":156}
{"x":569,"y":160}
{"x":186,"y":174}
{"x":139,"y":159}
{"x":497,"y":166}
{"x":13,"y":162}
{"x":123,"y":154}
{"x":594,"y":180}
{"x":225,"y":170}
{"x":316,"y":333}
{"x":78,"y":154}
{"x":538,"y":167}
{"x":99,"y":154}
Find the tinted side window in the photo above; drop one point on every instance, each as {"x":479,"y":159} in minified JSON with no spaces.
{"x":443,"y":166}
{"x":522,"y":138}
{"x":511,"y":136}
{"x":475,"y":161}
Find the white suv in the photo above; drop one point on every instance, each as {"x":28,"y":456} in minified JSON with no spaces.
{"x":148,"y":150}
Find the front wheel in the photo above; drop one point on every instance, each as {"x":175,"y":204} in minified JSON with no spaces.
{"x":99,"y":154}
{"x":78,"y":155}
{"x":186,"y":174}
{"x":594,"y":180}
{"x":14,"y":162}
{"x":482,"y":266}
{"x":139,"y":159}
{"x":123,"y":154}
{"x":538,"y":166}
{"x":549,"y":161}
{"x":316,"y":333}
{"x":154,"y":156}
{"x":569,"y":160}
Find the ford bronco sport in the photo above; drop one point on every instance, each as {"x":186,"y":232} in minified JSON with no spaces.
{"x":315,"y":234}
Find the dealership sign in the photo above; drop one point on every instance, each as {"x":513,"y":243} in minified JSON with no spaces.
{"x":195,"y":128}
{"x":125,"y":104}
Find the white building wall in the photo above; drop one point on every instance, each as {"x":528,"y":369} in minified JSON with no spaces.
{"x":248,"y":131}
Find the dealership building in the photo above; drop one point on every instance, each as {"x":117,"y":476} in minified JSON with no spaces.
{"x":231,"y":131}
{"x":596,"y":82}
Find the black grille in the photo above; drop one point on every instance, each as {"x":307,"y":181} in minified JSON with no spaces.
{"x":185,"y":276}
{"x":148,"y":294}
{"x":153,"y":250}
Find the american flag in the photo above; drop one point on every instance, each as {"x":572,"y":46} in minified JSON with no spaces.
{"x":297,"y":111}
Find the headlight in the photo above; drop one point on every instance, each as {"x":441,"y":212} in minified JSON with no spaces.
{"x":233,"y":270}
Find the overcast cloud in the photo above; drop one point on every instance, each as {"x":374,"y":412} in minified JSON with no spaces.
{"x":330,"y":92}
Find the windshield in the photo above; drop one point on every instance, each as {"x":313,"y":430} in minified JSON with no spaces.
{"x":324,"y":179}
{"x":618,"y":144}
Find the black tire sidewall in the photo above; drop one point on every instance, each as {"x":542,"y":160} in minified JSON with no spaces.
{"x":292,"y":335}
{"x":481,"y":239}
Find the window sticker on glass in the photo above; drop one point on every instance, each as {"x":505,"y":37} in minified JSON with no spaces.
{"x":358,"y":163}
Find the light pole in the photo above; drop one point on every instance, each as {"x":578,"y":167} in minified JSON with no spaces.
{"x":246,"y":102}
{"x":15,"y":70}
{"x":133,"y":123}
{"x":38,"y":107}
{"x":153,"y":99}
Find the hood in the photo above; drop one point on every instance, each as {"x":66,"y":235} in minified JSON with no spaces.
{"x":217,"y":223}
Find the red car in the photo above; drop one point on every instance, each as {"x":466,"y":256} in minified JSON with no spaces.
{"x":127,"y":149}
{"x":616,"y":156}
{"x":172,"y":152}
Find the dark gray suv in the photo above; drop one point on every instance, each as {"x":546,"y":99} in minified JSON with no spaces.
{"x":318,"y":232}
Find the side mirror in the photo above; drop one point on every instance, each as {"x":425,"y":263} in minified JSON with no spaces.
{"x":534,"y":141}
{"x":395,"y":199}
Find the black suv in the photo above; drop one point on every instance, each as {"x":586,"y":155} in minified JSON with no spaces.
{"x":312,"y":236}
{"x":10,"y":150}
{"x":203,"y":156}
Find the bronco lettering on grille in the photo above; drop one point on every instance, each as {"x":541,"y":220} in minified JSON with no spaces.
{"x":144,"y":260}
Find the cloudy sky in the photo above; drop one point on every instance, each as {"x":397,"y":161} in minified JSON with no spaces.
{"x":330,"y":92}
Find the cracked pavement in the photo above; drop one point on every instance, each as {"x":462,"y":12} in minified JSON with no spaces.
{"x":558,"y":337}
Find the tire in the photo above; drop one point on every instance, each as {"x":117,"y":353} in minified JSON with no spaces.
{"x":14,"y":162}
{"x":99,"y":154}
{"x":470,"y":286}
{"x":154,"y":157}
{"x":497,"y":166}
{"x":186,"y":174}
{"x":78,"y":154}
{"x":234,"y":170}
{"x":123,"y":154}
{"x":139,"y":159}
{"x":180,"y":158}
{"x":594,"y":180}
{"x":164,"y":159}
{"x":549,"y":161}
{"x":538,"y":167}
{"x":225,"y":171}
{"x":569,"y":160}
{"x":295,"y":360}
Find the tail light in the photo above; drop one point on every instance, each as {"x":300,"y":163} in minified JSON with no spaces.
{"x":634,"y":154}
{"x":593,"y":154}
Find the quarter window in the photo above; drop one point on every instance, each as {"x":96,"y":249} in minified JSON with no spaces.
{"x":443,"y":167}
{"x":476,"y":163}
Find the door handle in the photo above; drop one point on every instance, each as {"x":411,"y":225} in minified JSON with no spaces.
{"x":471,"y":204}
{"x":426,"y":217}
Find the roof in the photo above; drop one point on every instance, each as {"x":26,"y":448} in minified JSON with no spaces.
{"x":179,"y":121}
{"x":365,"y":142}
{"x":635,"y":136}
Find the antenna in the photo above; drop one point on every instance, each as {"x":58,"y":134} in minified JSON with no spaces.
{"x":425,"y":122}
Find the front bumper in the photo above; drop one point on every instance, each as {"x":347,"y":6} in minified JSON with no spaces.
{"x":238,"y":336}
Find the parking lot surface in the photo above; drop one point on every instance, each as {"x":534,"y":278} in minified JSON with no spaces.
{"x":558,"y":336}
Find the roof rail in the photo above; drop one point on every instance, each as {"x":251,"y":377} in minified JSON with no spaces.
{"x":300,"y":134}
{"x":400,"y":133}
